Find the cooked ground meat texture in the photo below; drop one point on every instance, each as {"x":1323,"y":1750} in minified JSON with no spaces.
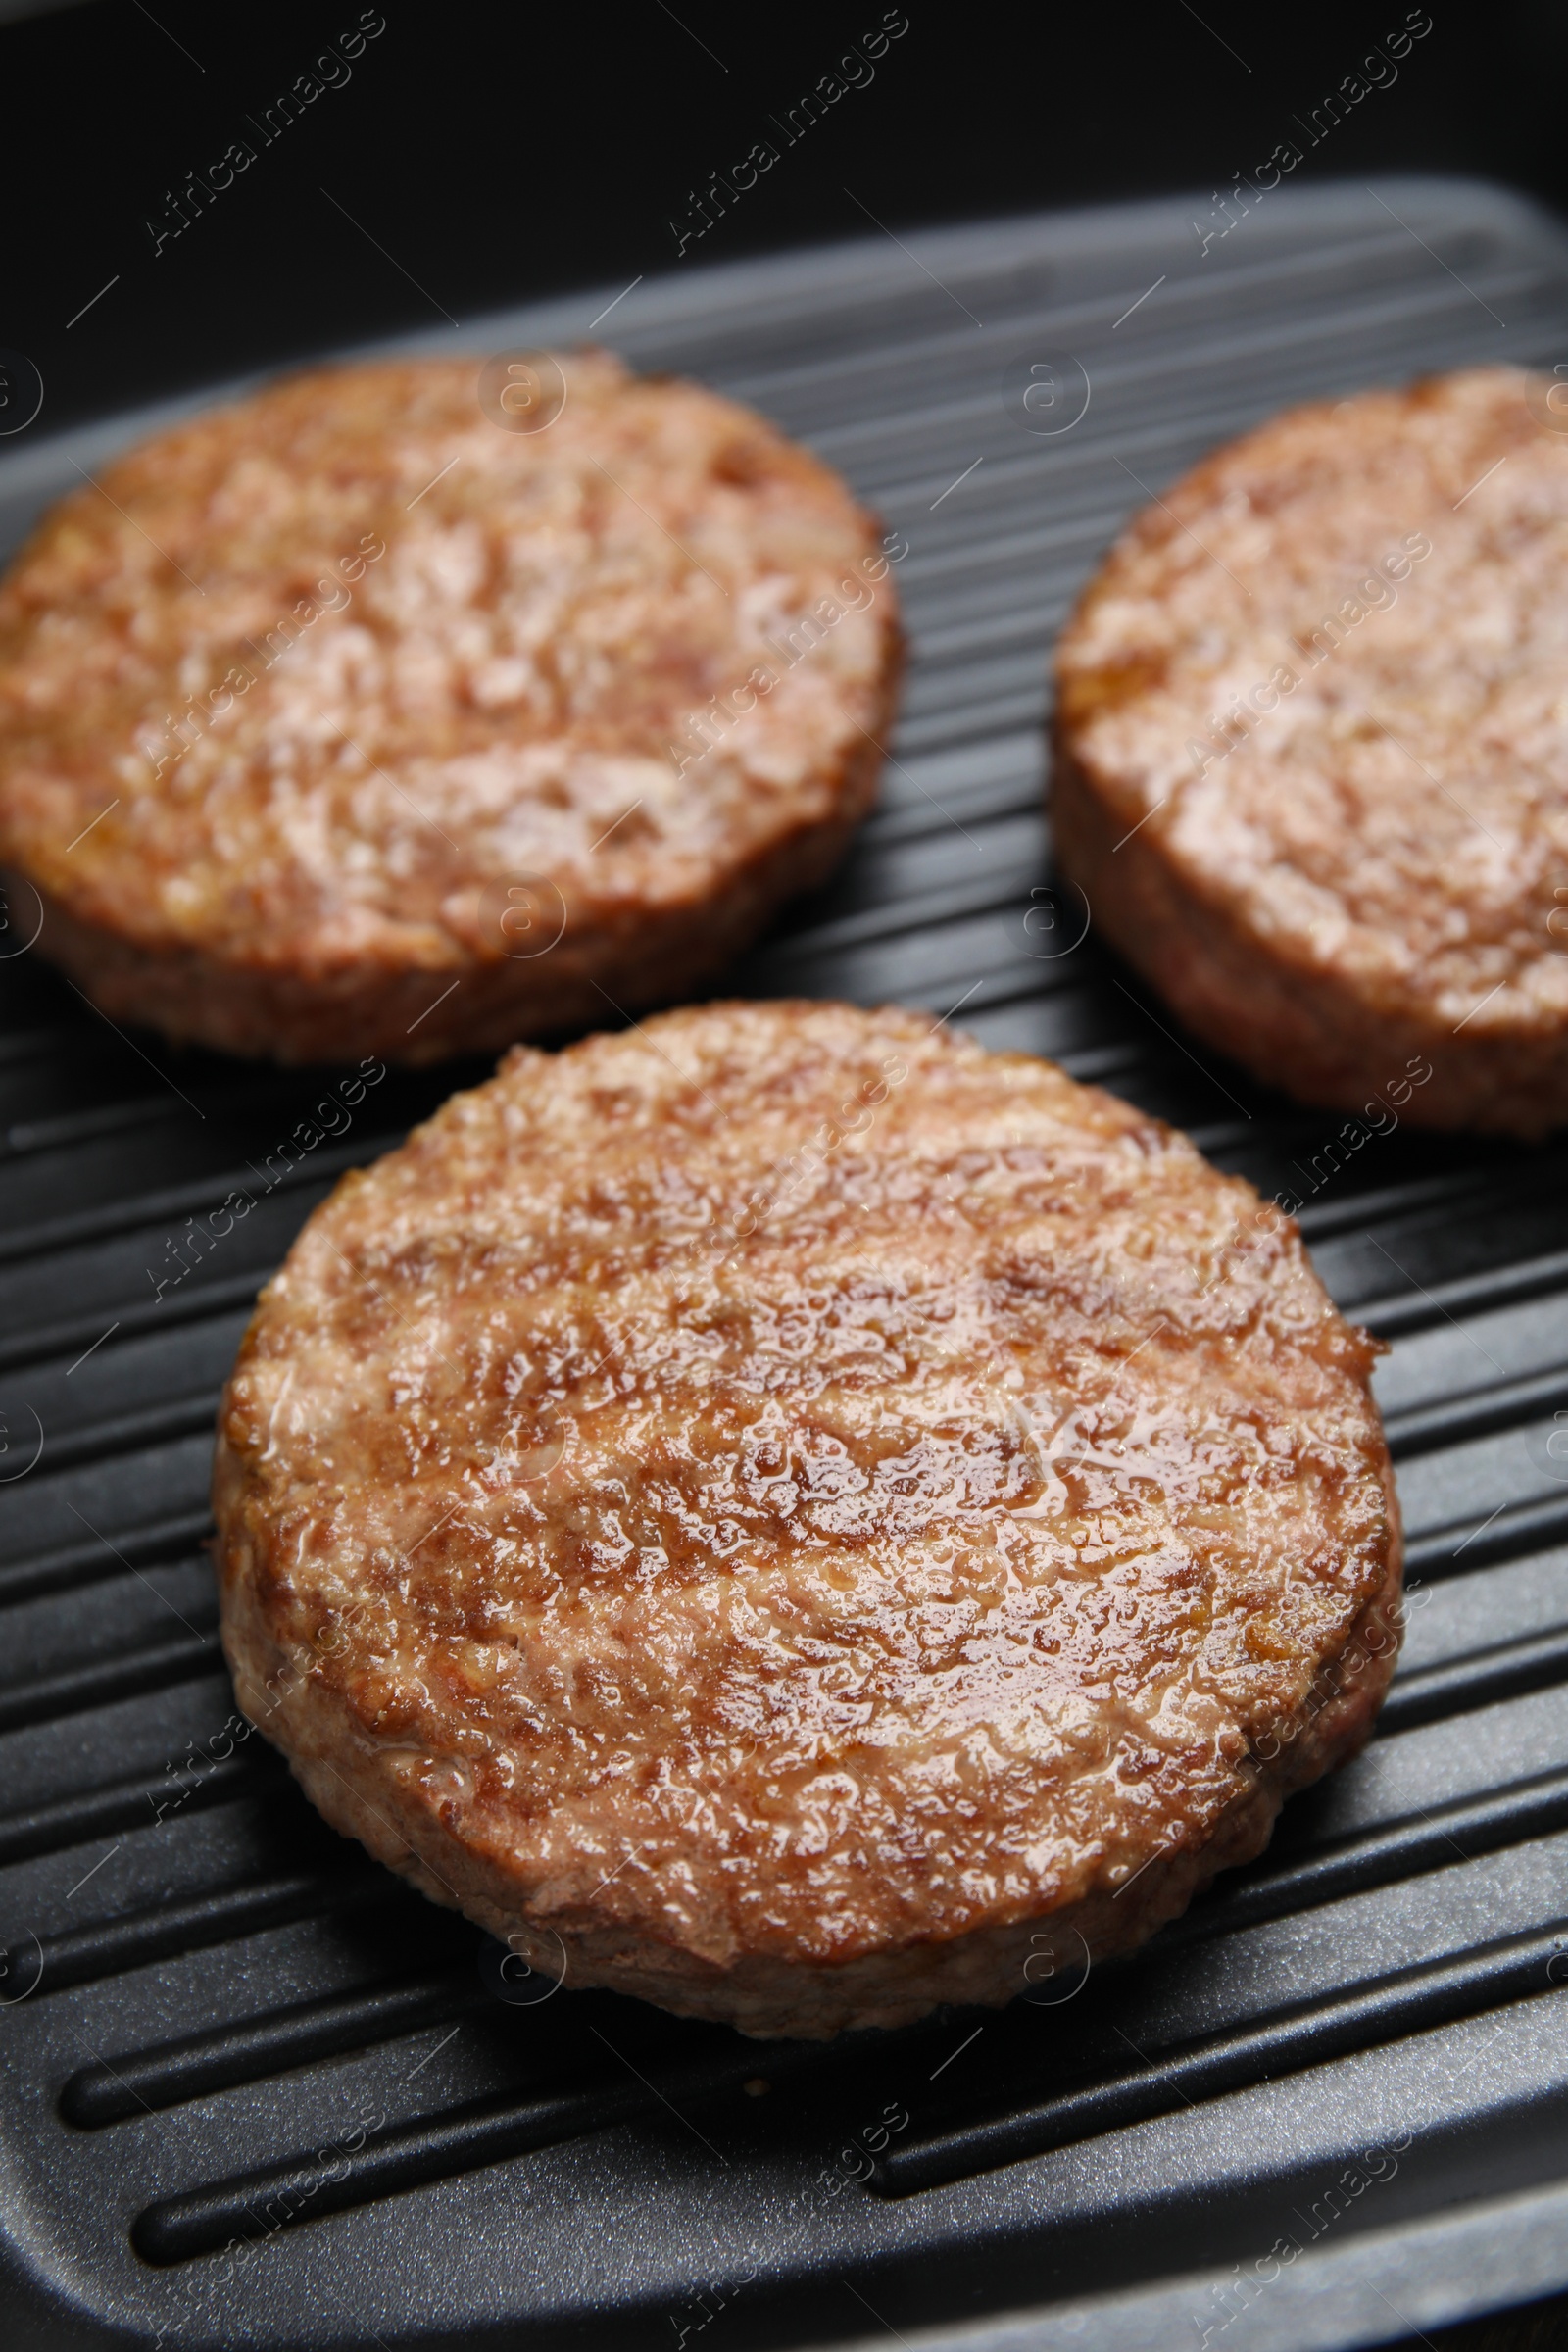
{"x":322,"y":714}
{"x":780,"y":1506}
{"x":1312,"y":758}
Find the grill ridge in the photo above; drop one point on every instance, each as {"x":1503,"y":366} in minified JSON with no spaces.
{"x":47,"y":1964}
{"x":1405,"y":2001}
{"x":129,"y":1804}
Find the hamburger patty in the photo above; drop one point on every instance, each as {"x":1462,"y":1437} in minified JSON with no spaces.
{"x":780,"y":1507}
{"x":344,"y":721}
{"x":1312,"y":750}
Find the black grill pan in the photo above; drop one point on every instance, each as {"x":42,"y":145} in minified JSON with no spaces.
{"x":256,"y":2094}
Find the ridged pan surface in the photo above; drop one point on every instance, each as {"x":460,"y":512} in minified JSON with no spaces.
{"x":254,"y":2092}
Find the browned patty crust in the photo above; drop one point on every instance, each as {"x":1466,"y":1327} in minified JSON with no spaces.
{"x":1312,"y":750}
{"x":782,"y":1506}
{"x":322,"y":716}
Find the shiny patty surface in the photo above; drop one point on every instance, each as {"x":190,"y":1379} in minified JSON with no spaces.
{"x":1313,"y":748}
{"x":782,"y":1491}
{"x":332,"y":698}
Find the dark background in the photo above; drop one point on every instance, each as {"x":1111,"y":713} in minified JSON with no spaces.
{"x":489,"y":154}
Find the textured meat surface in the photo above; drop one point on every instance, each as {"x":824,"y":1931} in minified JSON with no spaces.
{"x":290,"y":700}
{"x":787,"y":1501}
{"x":1313,"y":746}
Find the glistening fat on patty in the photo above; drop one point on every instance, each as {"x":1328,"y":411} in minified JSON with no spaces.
{"x":347,"y":719}
{"x":1312,"y":758}
{"x":781,"y":1507}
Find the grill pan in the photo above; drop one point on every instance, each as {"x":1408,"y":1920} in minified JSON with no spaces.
{"x":257,"y":2093}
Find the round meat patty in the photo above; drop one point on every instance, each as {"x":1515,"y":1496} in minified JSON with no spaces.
{"x":348,"y":719}
{"x":801,"y":1519}
{"x":1313,"y":750}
